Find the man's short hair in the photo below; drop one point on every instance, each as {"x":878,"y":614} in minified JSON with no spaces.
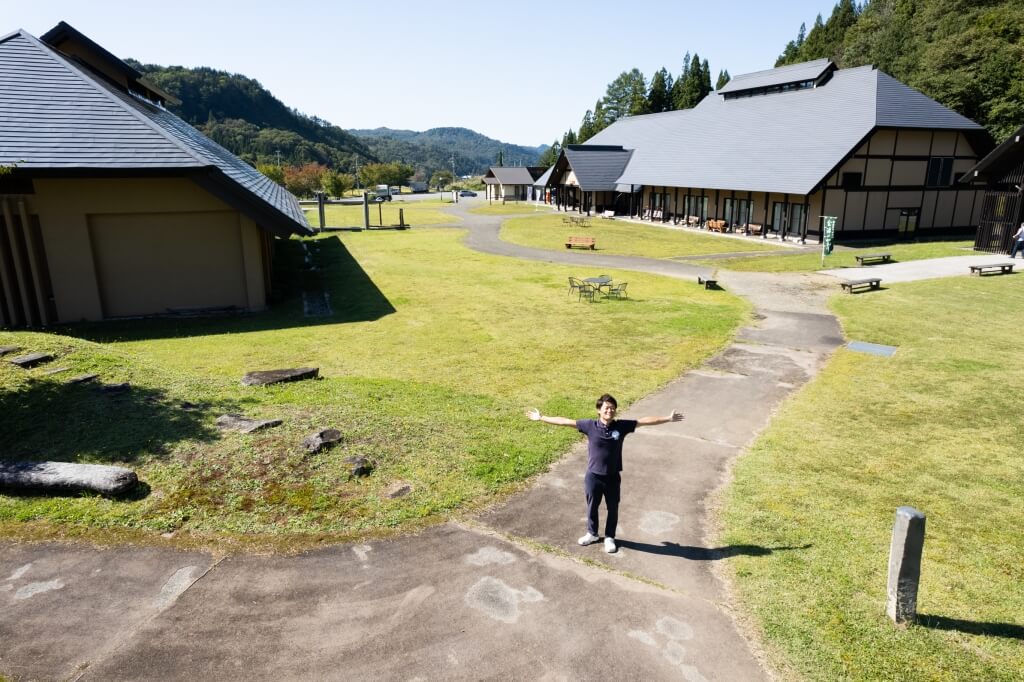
{"x":607,"y":398}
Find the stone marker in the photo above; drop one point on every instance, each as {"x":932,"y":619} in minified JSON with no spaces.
{"x":360,"y":466}
{"x":55,"y":370}
{"x":236,"y":422}
{"x":277,"y":376}
{"x":4,"y":350}
{"x":81,"y":379}
{"x":67,"y":477}
{"x":31,"y":360}
{"x":322,"y":440}
{"x":398,"y":489}
{"x":905,"y":564}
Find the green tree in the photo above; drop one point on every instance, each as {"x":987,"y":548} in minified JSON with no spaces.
{"x":658,"y":97}
{"x":625,"y":96}
{"x":586,"y":127}
{"x":441,"y":178}
{"x":501,"y":159}
{"x":723,"y":78}
{"x":335,"y":184}
{"x":550,"y":155}
{"x":274,"y":172}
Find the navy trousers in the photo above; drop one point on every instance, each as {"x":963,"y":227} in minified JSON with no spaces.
{"x":596,"y":487}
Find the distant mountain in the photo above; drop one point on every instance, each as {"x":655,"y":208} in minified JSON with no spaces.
{"x":243,"y":116}
{"x":433,"y":148}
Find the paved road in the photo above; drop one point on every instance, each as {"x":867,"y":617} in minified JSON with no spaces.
{"x":505,"y":595}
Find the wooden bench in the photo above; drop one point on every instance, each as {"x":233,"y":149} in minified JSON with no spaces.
{"x":869,"y":258}
{"x":582,"y":242}
{"x":716,"y":225}
{"x":610,"y":215}
{"x":868,"y":283}
{"x":1004,"y":268}
{"x":755,"y":229}
{"x":708,"y":283}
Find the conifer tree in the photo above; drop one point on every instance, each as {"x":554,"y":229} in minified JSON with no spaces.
{"x":723,"y":78}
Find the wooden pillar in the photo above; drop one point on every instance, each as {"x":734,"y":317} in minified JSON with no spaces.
{"x":34,"y":261}
{"x":803,"y":230}
{"x":764,"y":223}
{"x":785,"y":217}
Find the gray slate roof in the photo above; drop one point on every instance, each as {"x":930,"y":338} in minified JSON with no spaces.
{"x":510,"y":175}
{"x":56,"y":115}
{"x":542,"y":181}
{"x":793,"y":73}
{"x":597,"y":170}
{"x":786,"y":142}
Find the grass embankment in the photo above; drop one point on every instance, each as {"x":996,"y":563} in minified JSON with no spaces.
{"x":429,"y":360}
{"x":844,"y":257}
{"x":511,"y":208}
{"x":937,"y":427}
{"x":622,"y":238}
{"x":416,"y":213}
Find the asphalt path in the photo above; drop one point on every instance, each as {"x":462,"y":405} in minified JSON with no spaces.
{"x":506,"y":595}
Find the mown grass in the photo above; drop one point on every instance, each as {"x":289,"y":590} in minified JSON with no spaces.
{"x":511,"y":208}
{"x":844,"y":257}
{"x":416,"y":213}
{"x":624,"y":238}
{"x":937,"y":427}
{"x":429,"y":360}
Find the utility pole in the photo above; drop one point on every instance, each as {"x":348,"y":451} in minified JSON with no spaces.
{"x":278,"y":153}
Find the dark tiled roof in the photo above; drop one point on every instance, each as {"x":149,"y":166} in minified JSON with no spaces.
{"x":597,"y":168}
{"x":511,"y":175}
{"x":793,"y":73}
{"x":786,"y":142}
{"x":55,"y":114}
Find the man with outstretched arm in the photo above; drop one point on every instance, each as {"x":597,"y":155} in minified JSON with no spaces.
{"x":604,"y":461}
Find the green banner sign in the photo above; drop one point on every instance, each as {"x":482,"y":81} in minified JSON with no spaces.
{"x":828,"y":234}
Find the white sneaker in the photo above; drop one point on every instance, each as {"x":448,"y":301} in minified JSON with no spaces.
{"x":588,"y":539}
{"x":609,"y":545}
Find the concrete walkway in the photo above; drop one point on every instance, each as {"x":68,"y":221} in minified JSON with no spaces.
{"x":505,"y":595}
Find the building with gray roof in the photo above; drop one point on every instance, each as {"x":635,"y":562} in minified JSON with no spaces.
{"x":511,"y":183}
{"x":112,"y":205}
{"x":585,"y":176}
{"x":776,"y":150}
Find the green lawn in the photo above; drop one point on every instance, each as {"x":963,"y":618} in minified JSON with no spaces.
{"x":938,"y":427}
{"x":844,"y":257}
{"x":511,"y":208}
{"x":427,"y":370}
{"x":416,"y":213}
{"x":623,"y":238}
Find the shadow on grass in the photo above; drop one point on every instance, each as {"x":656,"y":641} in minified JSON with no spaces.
{"x":52,"y":421}
{"x":703,"y":553}
{"x":1008,"y":630}
{"x":353,"y":295}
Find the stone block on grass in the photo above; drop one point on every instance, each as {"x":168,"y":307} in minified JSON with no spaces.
{"x":277,"y":376}
{"x":361,"y":466}
{"x":322,"y":440}
{"x":31,"y":360}
{"x":7,"y":350}
{"x":237,"y":422}
{"x":62,"y":477}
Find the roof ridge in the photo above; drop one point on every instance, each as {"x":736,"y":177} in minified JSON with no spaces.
{"x":105,"y":92}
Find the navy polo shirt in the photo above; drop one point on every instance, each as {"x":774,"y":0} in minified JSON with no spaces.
{"x":604,"y":443}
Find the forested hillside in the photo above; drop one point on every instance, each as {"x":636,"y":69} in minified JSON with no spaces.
{"x":434,"y":148}
{"x":243,"y":116}
{"x":966,"y":54}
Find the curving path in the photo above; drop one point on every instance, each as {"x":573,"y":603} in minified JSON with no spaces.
{"x":505,"y":595}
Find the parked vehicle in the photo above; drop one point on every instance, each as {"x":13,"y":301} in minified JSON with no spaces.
{"x":418,"y":187}
{"x":383,"y":192}
{"x":467,"y":193}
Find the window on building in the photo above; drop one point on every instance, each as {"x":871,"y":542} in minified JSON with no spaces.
{"x":940,"y":171}
{"x":851,"y":180}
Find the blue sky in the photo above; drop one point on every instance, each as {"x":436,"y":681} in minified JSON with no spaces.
{"x":521,"y":72}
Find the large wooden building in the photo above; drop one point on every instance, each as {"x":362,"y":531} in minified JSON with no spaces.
{"x":110,"y":205}
{"x":784,"y":147}
{"x":1001,"y":173}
